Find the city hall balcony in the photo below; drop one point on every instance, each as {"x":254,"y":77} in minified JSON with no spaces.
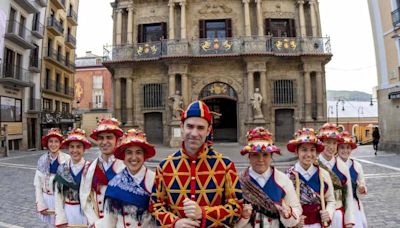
{"x":19,"y":34}
{"x":236,"y":46}
{"x":58,"y":4}
{"x":54,"y":26}
{"x":15,"y":75}
{"x":70,"y":41}
{"x":72,"y":17}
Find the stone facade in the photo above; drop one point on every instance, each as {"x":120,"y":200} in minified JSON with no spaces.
{"x":224,"y":71}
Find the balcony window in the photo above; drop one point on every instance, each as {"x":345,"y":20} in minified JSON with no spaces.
{"x":47,"y":104}
{"x":57,"y":106}
{"x":215,"y":28}
{"x":280,"y":27}
{"x":152,"y":32}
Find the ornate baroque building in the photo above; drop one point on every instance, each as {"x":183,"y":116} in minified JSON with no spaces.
{"x":255,"y":62}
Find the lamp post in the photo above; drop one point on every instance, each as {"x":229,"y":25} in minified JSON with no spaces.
{"x":337,"y":110}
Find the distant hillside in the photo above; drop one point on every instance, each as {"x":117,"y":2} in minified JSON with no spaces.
{"x":348,"y":95}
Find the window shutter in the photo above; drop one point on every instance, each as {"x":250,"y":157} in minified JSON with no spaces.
{"x":228,"y":27}
{"x":202,"y":29}
{"x":164,"y":30}
{"x":267,"y":26}
{"x":140,"y":33}
{"x":292,"y":28}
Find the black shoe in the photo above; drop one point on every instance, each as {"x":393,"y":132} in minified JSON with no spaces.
{"x":375,"y":152}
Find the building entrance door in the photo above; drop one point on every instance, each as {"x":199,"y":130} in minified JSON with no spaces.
{"x":153,"y":127}
{"x":221,"y":98}
{"x":284,"y":125}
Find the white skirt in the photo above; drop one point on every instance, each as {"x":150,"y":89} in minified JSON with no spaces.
{"x":75,"y":215}
{"x":361,"y":220}
{"x":49,"y":201}
{"x":337,"y":220}
{"x":316,"y":225}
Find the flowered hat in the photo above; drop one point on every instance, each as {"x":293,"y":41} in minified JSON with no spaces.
{"x":328,"y":131}
{"x":305,"y":135}
{"x":108,"y":125}
{"x":197,"y":109}
{"x":76,"y":135}
{"x":259,"y":140}
{"x":134,"y":137}
{"x":346,"y":138}
{"x":53,"y":132}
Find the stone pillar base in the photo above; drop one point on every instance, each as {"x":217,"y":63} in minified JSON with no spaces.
{"x":175,"y":132}
{"x":259,"y":120}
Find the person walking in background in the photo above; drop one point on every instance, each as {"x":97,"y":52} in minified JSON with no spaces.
{"x":375,"y":136}
{"x":128,"y":193}
{"x":68,"y":180}
{"x":196,"y":186}
{"x":46,"y":170}
{"x":345,"y":148}
{"x":268,"y":191}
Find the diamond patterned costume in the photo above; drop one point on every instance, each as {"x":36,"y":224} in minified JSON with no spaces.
{"x":210,"y":179}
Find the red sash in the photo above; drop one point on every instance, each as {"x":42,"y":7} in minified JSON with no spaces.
{"x":312,"y":213}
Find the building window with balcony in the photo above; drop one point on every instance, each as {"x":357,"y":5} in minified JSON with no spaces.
{"x":280,"y":27}
{"x":67,"y":58}
{"x":47,"y":104}
{"x":34,"y":57}
{"x":65,"y":107}
{"x":47,"y":79}
{"x":36,"y":21}
{"x":212,"y":29}
{"x":21,"y":31}
{"x":11,"y":109}
{"x":283,"y":92}
{"x":58,"y":82}
{"x":11,"y":21}
{"x":152,"y":32}
{"x":66,"y":86}
{"x":153,"y":96}
{"x":57,"y":106}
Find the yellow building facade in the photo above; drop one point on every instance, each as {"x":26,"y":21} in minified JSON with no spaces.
{"x":255,"y":62}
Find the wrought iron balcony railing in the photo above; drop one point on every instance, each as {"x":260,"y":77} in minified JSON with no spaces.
{"x":101,"y":105}
{"x":396,"y":17}
{"x":53,"y":23}
{"x":70,"y":39}
{"x":15,"y":72}
{"x":59,"y":58}
{"x":19,"y":34}
{"x":220,"y":47}
{"x":34,"y":105}
{"x":38,"y":30}
{"x":72,"y":15}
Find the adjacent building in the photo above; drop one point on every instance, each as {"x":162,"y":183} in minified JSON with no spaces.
{"x":255,"y":62}
{"x":93,"y":91}
{"x":58,"y":65}
{"x":21,"y":36}
{"x":385,"y":20}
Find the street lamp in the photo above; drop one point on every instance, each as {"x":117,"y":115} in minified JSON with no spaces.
{"x":373,"y":100}
{"x":337,"y":110}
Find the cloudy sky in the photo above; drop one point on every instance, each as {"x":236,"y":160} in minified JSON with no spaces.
{"x":352,"y":66}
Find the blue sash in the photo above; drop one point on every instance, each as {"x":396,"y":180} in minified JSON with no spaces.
{"x":78,"y":176}
{"x":124,"y":189}
{"x":271,"y":188}
{"x":339,"y":174}
{"x":54,"y":166}
{"x":110,"y":173}
{"x":314,"y":182}
{"x":354,"y":177}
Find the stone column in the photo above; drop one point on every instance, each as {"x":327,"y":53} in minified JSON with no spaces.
{"x":263,"y":82}
{"x":320,"y":89}
{"x":307,"y":89}
{"x":171,"y":26}
{"x":250,"y":91}
{"x":130,"y":25}
{"x":185,"y":90}
{"x":171,"y":85}
{"x":247,"y":18}
{"x":301,"y":18}
{"x":117,"y":98}
{"x":129,"y":101}
{"x":119,"y":27}
{"x":260,"y":27}
{"x":183,"y":20}
{"x":313,"y":18}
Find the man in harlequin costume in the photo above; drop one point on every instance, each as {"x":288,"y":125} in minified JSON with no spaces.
{"x":269,"y":191}
{"x":313,"y":184}
{"x":101,"y":170}
{"x":128,"y":193}
{"x":340,"y":176}
{"x":345,"y":148}
{"x":196,"y":186}
{"x":46,"y":170}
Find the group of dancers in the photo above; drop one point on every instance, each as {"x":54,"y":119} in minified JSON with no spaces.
{"x":198,"y":186}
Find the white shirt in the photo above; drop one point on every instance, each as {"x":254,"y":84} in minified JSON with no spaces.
{"x":327,"y":163}
{"x":53,"y":159}
{"x":307,"y":174}
{"x":260,"y":178}
{"x":139,"y":176}
{"x":349,"y":162}
{"x":107,"y":164}
{"x":76,"y":168}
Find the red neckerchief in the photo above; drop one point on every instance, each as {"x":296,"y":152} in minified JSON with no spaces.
{"x":99,"y":178}
{"x":198,"y":153}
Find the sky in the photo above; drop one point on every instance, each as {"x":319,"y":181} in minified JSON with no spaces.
{"x":352,"y":66}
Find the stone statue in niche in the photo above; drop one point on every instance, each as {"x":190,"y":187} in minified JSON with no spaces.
{"x":176,"y":105}
{"x":256,"y":102}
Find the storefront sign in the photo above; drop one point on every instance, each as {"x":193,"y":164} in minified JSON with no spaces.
{"x":13,"y":128}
